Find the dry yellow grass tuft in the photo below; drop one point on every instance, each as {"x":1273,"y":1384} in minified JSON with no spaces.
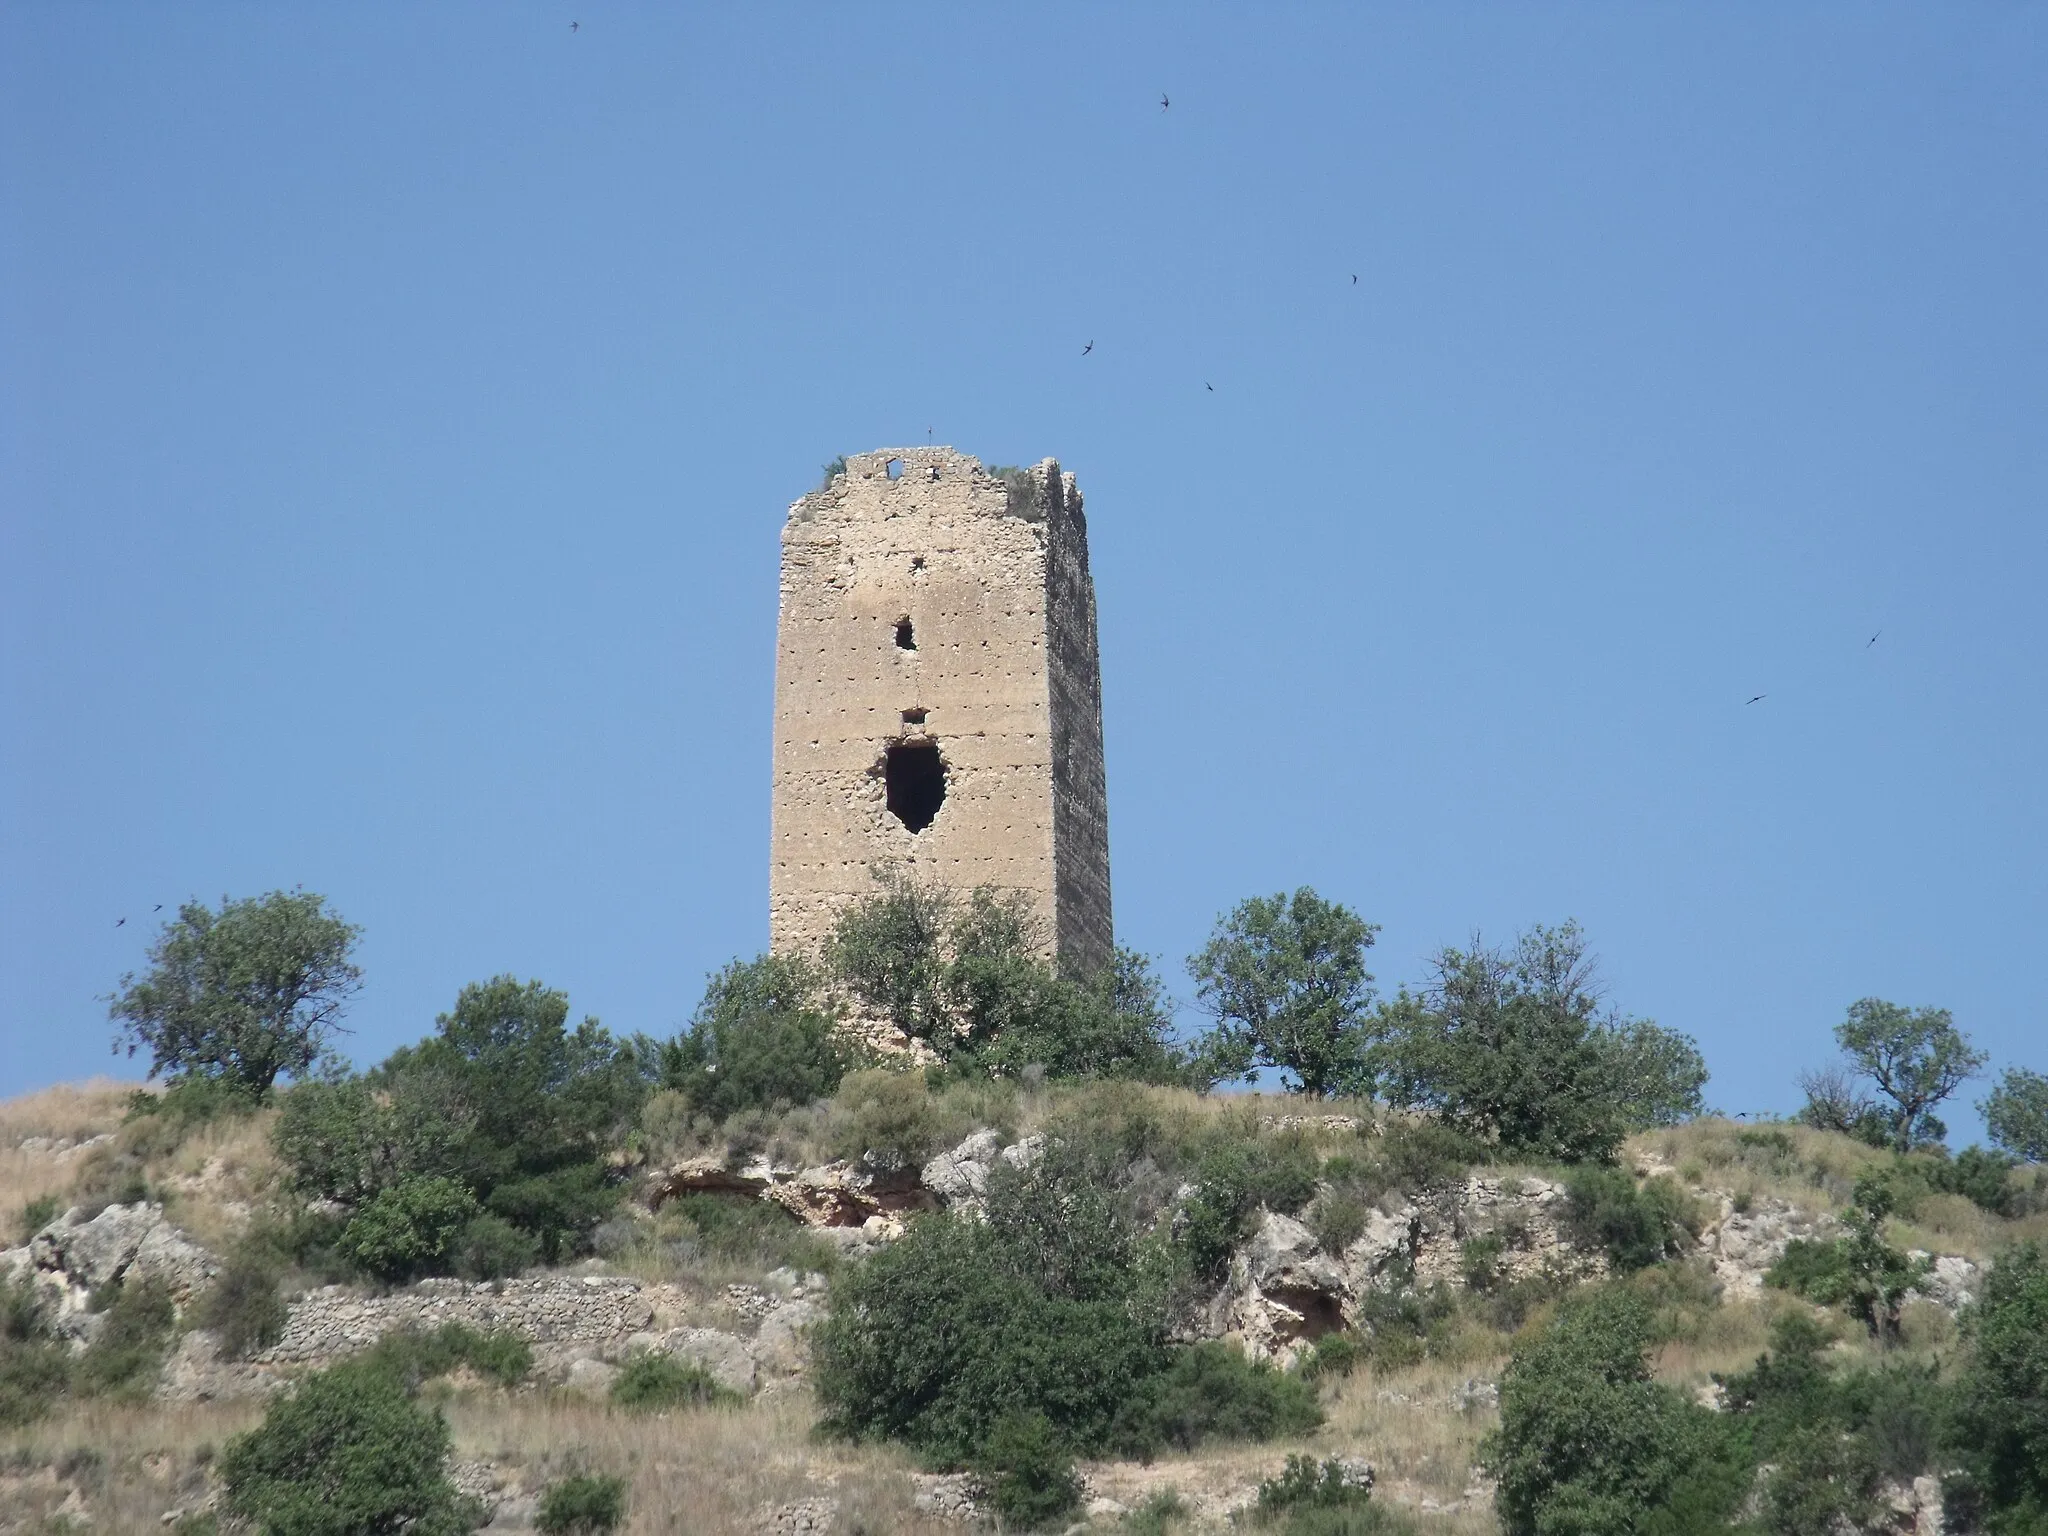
{"x":69,"y":1112}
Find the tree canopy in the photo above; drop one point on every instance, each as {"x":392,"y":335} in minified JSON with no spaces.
{"x":244,"y":995}
{"x":1284,"y":978}
{"x":1916,"y":1057}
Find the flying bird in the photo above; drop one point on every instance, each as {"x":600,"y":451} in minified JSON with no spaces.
{"x":159,"y":907}
{"x":1354,"y":279}
{"x":1754,"y":700}
{"x":119,"y":921}
{"x":1163,"y":102}
{"x":1211,"y":388}
{"x":1087,"y":349}
{"x":1871,"y":641}
{"x":575,"y":26}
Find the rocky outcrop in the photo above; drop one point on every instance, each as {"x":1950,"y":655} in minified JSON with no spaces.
{"x":72,"y":1257}
{"x":838,"y":1196}
{"x":1742,"y":1245}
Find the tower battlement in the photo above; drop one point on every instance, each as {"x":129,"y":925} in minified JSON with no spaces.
{"x":938,"y":697}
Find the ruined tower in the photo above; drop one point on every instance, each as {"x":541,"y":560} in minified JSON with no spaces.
{"x":938,"y":701}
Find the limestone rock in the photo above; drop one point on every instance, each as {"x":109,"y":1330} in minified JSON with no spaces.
{"x":591,"y":1378}
{"x":780,"y":1347}
{"x":1951,"y":1284}
{"x":541,"y":1309}
{"x":725,"y":1357}
{"x":960,"y":1177}
{"x":805,"y":1517}
{"x":197,"y":1373}
{"x":73,"y":1257}
{"x":1743,"y":1245}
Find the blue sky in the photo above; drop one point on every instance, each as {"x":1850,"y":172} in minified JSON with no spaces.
{"x":399,"y":406}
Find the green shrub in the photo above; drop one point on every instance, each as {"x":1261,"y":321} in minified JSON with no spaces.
{"x":582,"y":1505}
{"x":762,"y":1038}
{"x":343,"y":1453}
{"x":1338,"y":1219}
{"x":650,"y":1383}
{"x":1305,"y":1483}
{"x":1162,"y":1512}
{"x":1237,"y":1174}
{"x":1860,"y":1271}
{"x":413,"y":1355}
{"x":1587,"y":1442}
{"x":1982,"y":1177}
{"x":410,"y":1229}
{"x":2002,"y":1395}
{"x":35,"y":1367}
{"x":503,"y":1101}
{"x":38,"y":1214}
{"x":1334,"y":1355}
{"x":1635,"y":1227}
{"x":244,"y":1307}
{"x":490,"y":1248}
{"x":1404,"y":1327}
{"x":1031,"y":1478}
{"x":135,"y":1334}
{"x":743,"y":1230}
{"x":884,"y":1120}
{"x":188,"y":1102}
{"x":1210,"y":1391}
{"x":1420,"y":1155}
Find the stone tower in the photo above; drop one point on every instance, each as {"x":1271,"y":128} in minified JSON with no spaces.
{"x":938,"y":701}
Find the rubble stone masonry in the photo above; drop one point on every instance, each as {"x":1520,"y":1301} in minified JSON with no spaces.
{"x":938,"y":697}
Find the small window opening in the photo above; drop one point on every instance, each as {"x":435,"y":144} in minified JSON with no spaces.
{"x":913,"y":717}
{"x":935,"y":471}
{"x":917,"y":562}
{"x":894,"y":468}
{"x":906,"y":637}
{"x":916,"y":781}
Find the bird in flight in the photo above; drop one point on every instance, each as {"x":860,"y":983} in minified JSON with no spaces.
{"x":1871,"y":641}
{"x":1211,"y":388}
{"x":1753,"y":700}
{"x":159,"y":907}
{"x":119,"y":921}
{"x":1087,"y":349}
{"x":1354,"y":279}
{"x":1164,"y":103}
{"x":575,"y":26}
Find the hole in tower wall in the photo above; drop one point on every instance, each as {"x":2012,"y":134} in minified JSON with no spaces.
{"x":894,"y":469}
{"x":916,"y":780}
{"x":906,"y":637}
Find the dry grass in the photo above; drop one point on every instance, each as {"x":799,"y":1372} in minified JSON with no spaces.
{"x":69,"y":1111}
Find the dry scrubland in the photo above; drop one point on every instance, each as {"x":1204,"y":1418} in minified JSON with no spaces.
{"x":132,"y":1466}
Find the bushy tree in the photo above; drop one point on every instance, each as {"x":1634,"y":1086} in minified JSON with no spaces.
{"x":504,"y":1101}
{"x":1915,"y":1057}
{"x":244,"y":995}
{"x":1284,"y":978}
{"x":760,"y":1038}
{"x":345,"y":1453}
{"x":1589,"y":1444}
{"x":1860,"y":1271}
{"x":409,"y":1229}
{"x":1836,"y":1102}
{"x":1510,"y":1047}
{"x":2016,"y":1114}
{"x":1056,"y":1306}
{"x":2003,"y":1393}
{"x":890,"y":952}
{"x":968,"y":977}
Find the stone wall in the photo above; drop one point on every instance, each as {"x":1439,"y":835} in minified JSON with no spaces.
{"x":938,"y":615}
{"x":547,"y":1309}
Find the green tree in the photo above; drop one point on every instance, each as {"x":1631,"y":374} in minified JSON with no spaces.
{"x":243,"y":995}
{"x":1860,"y":1271}
{"x":1916,"y":1057}
{"x":1510,"y":1047}
{"x":2002,"y":1414}
{"x":890,"y":952}
{"x":1589,"y":1444}
{"x":346,"y":1453}
{"x":2016,"y":1114}
{"x":1285,"y":979}
{"x":409,"y":1229}
{"x":760,"y":1038}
